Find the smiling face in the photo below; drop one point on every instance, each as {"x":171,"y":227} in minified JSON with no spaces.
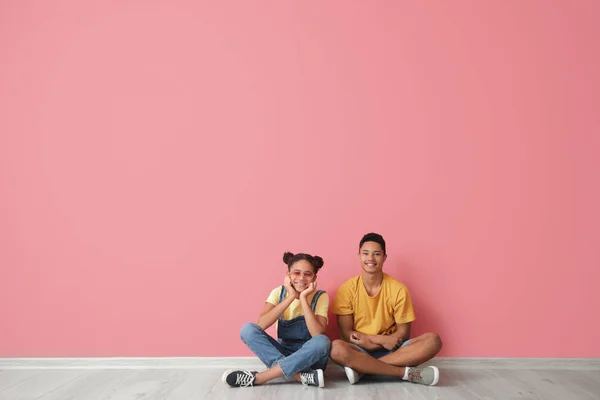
{"x":302,"y":273}
{"x":372,"y":257}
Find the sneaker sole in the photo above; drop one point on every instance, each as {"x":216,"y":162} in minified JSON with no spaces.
{"x":224,"y":376}
{"x":350,"y":375}
{"x":436,"y":376}
{"x":320,"y":376}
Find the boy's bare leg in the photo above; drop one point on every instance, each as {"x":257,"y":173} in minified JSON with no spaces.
{"x":416,"y":352}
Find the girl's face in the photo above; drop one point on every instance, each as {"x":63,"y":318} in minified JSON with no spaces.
{"x":302,"y":274}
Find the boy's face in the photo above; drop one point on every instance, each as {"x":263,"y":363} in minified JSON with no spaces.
{"x":301,"y":274}
{"x":372,"y":257}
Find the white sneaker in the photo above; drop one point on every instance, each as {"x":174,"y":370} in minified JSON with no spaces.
{"x":425,"y":376}
{"x":353,"y":376}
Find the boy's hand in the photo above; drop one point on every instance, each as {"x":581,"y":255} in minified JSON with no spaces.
{"x":363,"y":341}
{"x":389,"y":342}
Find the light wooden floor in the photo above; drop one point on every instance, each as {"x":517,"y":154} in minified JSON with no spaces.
{"x":205,"y":383}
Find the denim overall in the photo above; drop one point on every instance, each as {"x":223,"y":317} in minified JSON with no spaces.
{"x":293,"y":333}
{"x":295,"y":350}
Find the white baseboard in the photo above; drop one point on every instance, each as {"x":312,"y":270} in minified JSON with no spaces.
{"x":516,"y":363}
{"x":254,"y":363}
{"x":130,"y":363}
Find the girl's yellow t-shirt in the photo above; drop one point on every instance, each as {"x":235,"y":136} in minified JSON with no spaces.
{"x":295,"y":309}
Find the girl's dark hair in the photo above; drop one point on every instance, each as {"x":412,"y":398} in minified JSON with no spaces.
{"x":290,"y":259}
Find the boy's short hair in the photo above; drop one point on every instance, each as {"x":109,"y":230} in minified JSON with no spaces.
{"x":373,"y":237}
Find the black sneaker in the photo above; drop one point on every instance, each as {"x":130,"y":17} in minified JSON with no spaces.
{"x":313,"y":378}
{"x":237,"y":378}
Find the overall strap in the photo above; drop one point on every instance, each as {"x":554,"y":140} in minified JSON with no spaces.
{"x":313,"y":304}
{"x":282,"y":295}
{"x":281,"y":298}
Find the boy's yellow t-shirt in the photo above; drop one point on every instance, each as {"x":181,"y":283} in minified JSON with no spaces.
{"x":377,"y":315}
{"x":295,"y":309}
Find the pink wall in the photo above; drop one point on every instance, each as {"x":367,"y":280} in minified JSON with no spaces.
{"x":157,"y":158}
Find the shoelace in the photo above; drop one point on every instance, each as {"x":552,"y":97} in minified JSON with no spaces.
{"x":307,"y":378}
{"x":246,"y":378}
{"x":414,"y":375}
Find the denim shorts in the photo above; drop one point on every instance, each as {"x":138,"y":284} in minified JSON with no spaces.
{"x":379,"y":352}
